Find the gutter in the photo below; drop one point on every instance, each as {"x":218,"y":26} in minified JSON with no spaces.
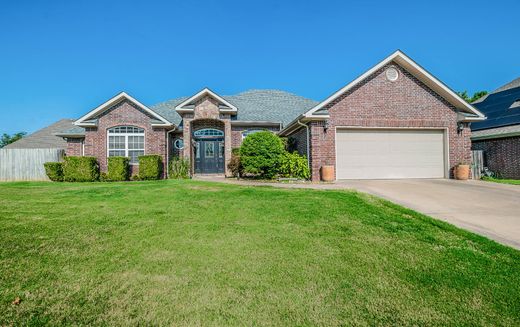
{"x":308,"y":141}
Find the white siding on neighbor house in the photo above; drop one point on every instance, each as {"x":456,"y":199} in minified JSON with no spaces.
{"x":26,"y":164}
{"x":390,"y":153}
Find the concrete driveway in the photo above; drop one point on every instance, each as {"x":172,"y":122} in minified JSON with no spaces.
{"x":486,"y":208}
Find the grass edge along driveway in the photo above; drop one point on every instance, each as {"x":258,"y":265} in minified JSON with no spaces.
{"x":200,"y":253}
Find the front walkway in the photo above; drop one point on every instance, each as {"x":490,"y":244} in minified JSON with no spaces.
{"x":486,"y":208}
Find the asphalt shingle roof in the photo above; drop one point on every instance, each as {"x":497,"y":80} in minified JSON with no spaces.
{"x":253,"y":105}
{"x":501,"y":107}
{"x":44,"y":138}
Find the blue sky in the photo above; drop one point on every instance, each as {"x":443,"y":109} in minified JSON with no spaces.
{"x":59,"y":59}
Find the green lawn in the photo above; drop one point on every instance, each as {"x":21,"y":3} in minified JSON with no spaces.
{"x":195,"y":253}
{"x":502,"y":181}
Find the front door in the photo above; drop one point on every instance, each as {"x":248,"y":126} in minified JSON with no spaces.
{"x":209,"y":156}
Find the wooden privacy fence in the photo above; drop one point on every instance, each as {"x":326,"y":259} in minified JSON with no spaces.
{"x":26,"y":164}
{"x":477,"y":163}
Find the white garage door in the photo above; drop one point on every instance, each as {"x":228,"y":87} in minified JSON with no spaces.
{"x":387,"y":154}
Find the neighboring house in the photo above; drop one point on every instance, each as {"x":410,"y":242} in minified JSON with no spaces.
{"x":394,"y":121}
{"x":44,"y":138}
{"x":499,"y":135}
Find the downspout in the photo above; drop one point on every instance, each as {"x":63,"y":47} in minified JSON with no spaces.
{"x":308,"y":143}
{"x":168,"y":152}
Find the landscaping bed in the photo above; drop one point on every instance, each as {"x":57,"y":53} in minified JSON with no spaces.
{"x":183,"y":252}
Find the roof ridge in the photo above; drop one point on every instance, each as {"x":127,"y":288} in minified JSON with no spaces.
{"x":508,"y":86}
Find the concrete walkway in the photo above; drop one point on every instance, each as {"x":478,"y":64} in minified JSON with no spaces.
{"x":486,"y":208}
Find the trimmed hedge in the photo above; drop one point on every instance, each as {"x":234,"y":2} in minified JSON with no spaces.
{"x":118,"y":169}
{"x":295,"y":166}
{"x":80,"y":169}
{"x":179,"y":168}
{"x":54,"y":171}
{"x":260,"y":154}
{"x":150,"y":167}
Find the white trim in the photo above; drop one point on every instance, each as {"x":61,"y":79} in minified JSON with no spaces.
{"x":445,"y":145}
{"x":203,"y":92}
{"x":175,"y":141}
{"x":412,"y":67}
{"x":118,"y":98}
{"x":126,"y":142}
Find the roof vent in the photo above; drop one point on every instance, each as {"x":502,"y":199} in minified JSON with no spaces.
{"x":392,"y":74}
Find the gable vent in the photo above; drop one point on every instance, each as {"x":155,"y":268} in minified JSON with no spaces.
{"x":392,"y":74}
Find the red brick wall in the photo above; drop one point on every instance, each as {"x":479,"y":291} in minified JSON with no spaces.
{"x":378,"y":102}
{"x":501,"y":155}
{"x":124,"y":114}
{"x":74,"y":147}
{"x":236,"y":133}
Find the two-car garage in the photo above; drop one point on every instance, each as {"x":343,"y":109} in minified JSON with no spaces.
{"x":390,"y":153}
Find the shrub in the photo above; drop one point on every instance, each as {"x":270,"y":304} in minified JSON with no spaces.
{"x":135,"y":177}
{"x":234,"y":165}
{"x":260,"y":154}
{"x":80,"y":169}
{"x":295,"y":166}
{"x":150,"y":167}
{"x":179,"y":168}
{"x":118,"y":169}
{"x":54,"y":171}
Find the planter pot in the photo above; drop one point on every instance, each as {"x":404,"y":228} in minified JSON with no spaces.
{"x":462,"y":172}
{"x":327,"y":173}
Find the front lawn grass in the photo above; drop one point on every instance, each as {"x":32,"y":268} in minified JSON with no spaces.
{"x":198,"y":253}
{"x":502,"y":181}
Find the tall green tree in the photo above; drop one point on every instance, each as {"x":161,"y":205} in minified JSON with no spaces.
{"x":475,"y":97}
{"x":6,"y":139}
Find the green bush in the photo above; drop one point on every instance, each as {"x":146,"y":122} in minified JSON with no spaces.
{"x":118,"y":168}
{"x":295,"y":166}
{"x":260,"y":154}
{"x":179,"y":168}
{"x":150,"y":167}
{"x":54,"y":171}
{"x":80,"y":169}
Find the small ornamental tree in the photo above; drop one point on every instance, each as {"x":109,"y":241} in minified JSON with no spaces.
{"x":260,"y":154}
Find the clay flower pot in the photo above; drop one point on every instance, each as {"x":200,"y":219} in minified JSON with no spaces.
{"x":462,"y":172}
{"x":327,"y":173}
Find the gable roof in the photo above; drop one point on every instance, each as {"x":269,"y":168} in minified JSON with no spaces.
{"x":420,"y":73}
{"x":44,"y":138}
{"x":502,"y":107}
{"x":189,"y":103}
{"x":253,"y":106}
{"x":89,"y":118}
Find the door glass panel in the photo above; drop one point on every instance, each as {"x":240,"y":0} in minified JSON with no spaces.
{"x":221,"y":149}
{"x":197,"y":150}
{"x":209,"y":150}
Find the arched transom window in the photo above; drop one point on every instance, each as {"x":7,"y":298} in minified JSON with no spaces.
{"x":208,"y":132}
{"x":126,"y":141}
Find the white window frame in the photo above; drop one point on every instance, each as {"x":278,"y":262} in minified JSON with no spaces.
{"x":175,"y":143}
{"x":251,"y":131}
{"x":126,"y":135}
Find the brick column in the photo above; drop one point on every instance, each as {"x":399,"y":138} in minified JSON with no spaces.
{"x":227,"y":146}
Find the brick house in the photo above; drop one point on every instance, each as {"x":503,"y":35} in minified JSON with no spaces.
{"x":499,"y":135}
{"x":394,"y":121}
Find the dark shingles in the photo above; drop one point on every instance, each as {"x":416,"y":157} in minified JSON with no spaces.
{"x":499,"y":107}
